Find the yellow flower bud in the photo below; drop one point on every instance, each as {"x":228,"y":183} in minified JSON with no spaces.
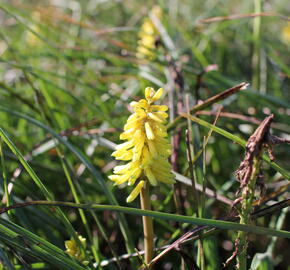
{"x":75,"y":251}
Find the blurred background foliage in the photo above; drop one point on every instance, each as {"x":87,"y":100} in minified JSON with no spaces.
{"x":72,"y":66}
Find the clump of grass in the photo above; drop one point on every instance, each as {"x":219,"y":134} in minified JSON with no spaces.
{"x":67,"y":73}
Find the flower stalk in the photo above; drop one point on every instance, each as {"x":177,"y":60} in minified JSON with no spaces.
{"x":147,"y":225}
{"x":147,"y":151}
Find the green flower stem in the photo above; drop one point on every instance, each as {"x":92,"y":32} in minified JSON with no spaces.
{"x":147,"y":224}
{"x":245,"y":214}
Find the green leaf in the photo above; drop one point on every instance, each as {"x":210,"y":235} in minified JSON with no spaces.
{"x":226,"y":225}
{"x":29,"y":243}
{"x":97,"y":176}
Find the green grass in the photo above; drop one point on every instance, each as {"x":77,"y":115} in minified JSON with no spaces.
{"x":68,"y":73}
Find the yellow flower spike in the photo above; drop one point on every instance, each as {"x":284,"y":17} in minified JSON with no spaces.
{"x":146,"y":148}
{"x":148,"y":35}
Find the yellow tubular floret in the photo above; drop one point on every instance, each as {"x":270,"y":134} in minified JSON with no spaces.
{"x":122,"y":168}
{"x":158,"y":94}
{"x":147,"y":148}
{"x":155,"y":117}
{"x":135,"y":192}
{"x":162,"y":115}
{"x":150,"y":176}
{"x":124,"y":156}
{"x":152,"y":149}
{"x":149,"y":132}
{"x":162,"y":108}
{"x":166,"y":180}
{"x":149,"y":93}
{"x":134,"y":175}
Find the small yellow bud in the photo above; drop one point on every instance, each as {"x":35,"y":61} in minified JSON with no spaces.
{"x":158,"y":94}
{"x":75,"y":251}
{"x":149,"y":93}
